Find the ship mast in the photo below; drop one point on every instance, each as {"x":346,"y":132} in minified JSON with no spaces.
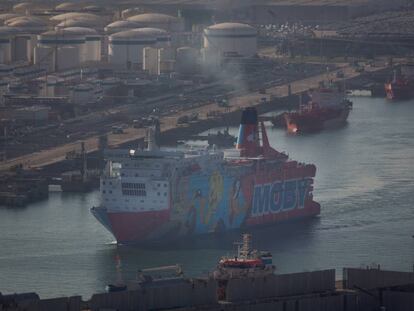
{"x":246,"y":247}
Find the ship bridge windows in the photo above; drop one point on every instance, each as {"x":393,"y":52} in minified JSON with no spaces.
{"x":139,"y":193}
{"x":130,"y":185}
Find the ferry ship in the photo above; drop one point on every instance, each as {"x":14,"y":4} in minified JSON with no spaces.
{"x":327,"y":108}
{"x":156,"y":194}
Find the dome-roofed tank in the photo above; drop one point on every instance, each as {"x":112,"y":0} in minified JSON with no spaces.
{"x":131,"y":12}
{"x":126,"y":47}
{"x":7,"y":35}
{"x":119,"y":26}
{"x":65,"y":44}
{"x":74,"y":15}
{"x":93,"y":8}
{"x":27,"y":7}
{"x":187,"y":60}
{"x":228,"y":39}
{"x":69,"y":7}
{"x":80,"y":22}
{"x":29,"y":24}
{"x":157,"y":20}
{"x":6,"y":16}
{"x":24,"y":44}
{"x":162,"y":36}
{"x":91,"y":50}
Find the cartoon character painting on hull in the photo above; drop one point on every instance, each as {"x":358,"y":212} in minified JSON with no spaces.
{"x":159,"y":194}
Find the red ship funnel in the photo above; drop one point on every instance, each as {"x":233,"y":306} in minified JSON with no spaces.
{"x":248,"y":140}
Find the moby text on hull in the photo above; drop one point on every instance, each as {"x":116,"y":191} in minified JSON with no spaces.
{"x":158,"y":194}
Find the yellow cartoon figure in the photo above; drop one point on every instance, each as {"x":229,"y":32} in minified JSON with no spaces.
{"x":214,"y":196}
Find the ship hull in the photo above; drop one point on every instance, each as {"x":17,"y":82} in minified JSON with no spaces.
{"x":314,"y":122}
{"x":399,"y":92}
{"x":220,"y":202}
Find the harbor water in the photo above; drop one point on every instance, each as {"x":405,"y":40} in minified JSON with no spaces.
{"x":364,"y":182}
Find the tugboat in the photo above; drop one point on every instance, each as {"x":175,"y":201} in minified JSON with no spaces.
{"x":327,"y":108}
{"x":402,"y":85}
{"x":247,"y":263}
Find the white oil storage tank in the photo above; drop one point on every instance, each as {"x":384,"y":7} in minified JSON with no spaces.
{"x":7,"y":35}
{"x":67,"y":45}
{"x":80,"y":22}
{"x":119,"y":26}
{"x":26,"y":8}
{"x":44,"y":56}
{"x":69,"y":7}
{"x":24,"y":44}
{"x":230,"y":39}
{"x":126,"y":48}
{"x":75,"y":15}
{"x":6,"y":16}
{"x":157,"y":20}
{"x":187,"y":60}
{"x":131,"y":12}
{"x":162,"y":36}
{"x":91,"y":50}
{"x":67,"y":57}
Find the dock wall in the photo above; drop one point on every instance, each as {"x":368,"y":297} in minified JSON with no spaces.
{"x":375,"y":278}
{"x":280,"y":285}
{"x":186,"y":293}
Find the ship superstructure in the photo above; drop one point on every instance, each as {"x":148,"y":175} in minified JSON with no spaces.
{"x":155,"y":194}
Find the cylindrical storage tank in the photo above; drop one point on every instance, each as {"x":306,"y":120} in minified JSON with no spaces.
{"x":6,"y":16}
{"x":119,"y":26}
{"x":231,"y":39}
{"x":30,"y":27}
{"x":83,"y":94}
{"x":163,"y":37}
{"x":131,"y":12}
{"x":69,"y":7}
{"x":151,"y":62}
{"x":92,"y":9}
{"x":45,"y":57}
{"x":5,"y":70}
{"x":7,"y":35}
{"x":75,"y":15}
{"x":125,"y":48}
{"x":91,"y":50}
{"x":50,"y":86}
{"x":4,"y":84}
{"x":67,"y":57}
{"x":25,"y":8}
{"x":156,"y":20}
{"x":80,"y":22}
{"x":30,"y":23}
{"x":60,"y":39}
{"x":186,"y":60}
